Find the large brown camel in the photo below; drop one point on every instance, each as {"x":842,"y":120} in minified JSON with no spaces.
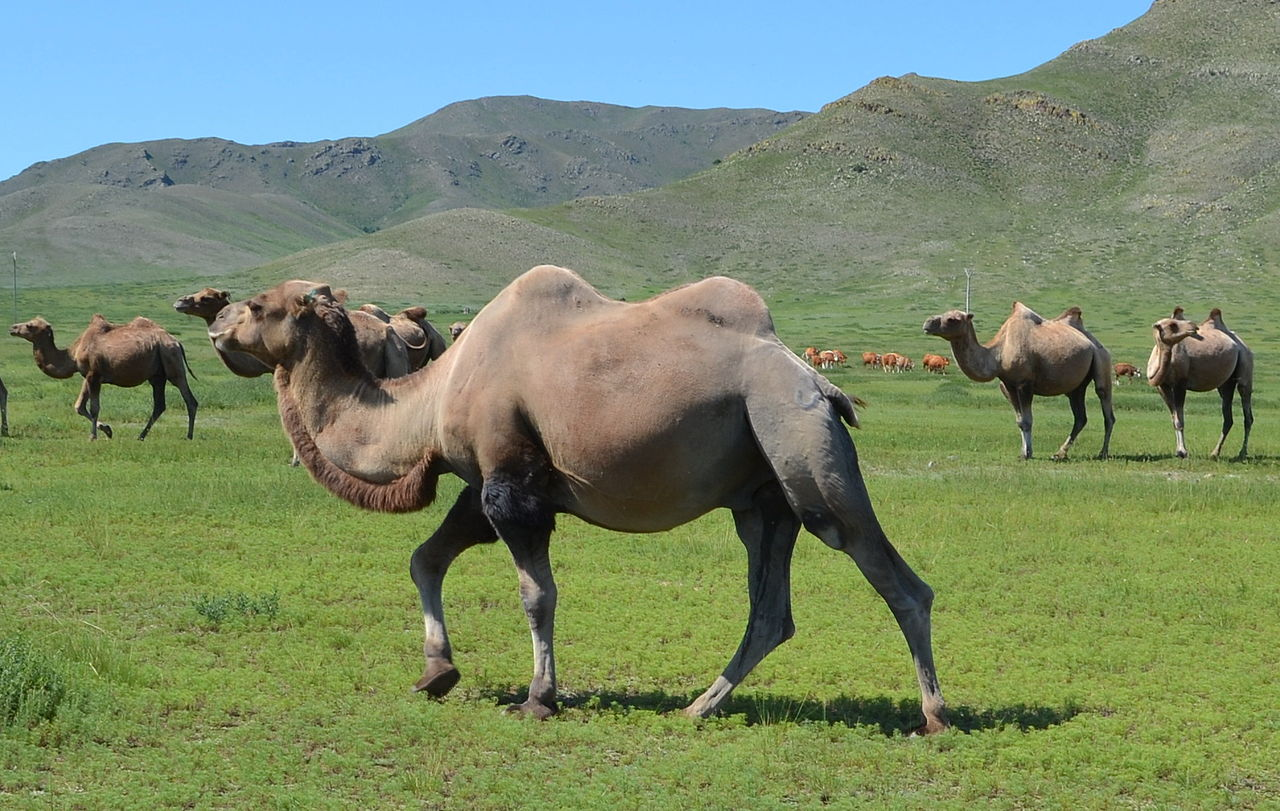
{"x":423,"y":341}
{"x":636,"y":417}
{"x":381,"y":347}
{"x":1187,"y":357}
{"x":1032,"y":356}
{"x":124,"y":355}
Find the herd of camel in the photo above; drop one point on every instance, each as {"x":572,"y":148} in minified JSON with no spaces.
{"x":719,"y":413}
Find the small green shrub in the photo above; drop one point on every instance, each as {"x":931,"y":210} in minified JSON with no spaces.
{"x":31,"y":686}
{"x":219,"y":608}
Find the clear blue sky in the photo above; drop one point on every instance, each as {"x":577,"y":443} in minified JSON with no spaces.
{"x":79,"y":74}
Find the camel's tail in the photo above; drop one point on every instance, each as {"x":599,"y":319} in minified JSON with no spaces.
{"x":185,"y":362}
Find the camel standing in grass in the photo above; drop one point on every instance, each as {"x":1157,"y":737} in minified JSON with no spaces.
{"x":422,"y":340}
{"x":1188,"y":357}
{"x":124,"y":355}
{"x":636,"y":417}
{"x":1034,"y":356}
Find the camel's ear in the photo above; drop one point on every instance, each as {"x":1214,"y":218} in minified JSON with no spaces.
{"x":968,"y":316}
{"x":339,"y":296}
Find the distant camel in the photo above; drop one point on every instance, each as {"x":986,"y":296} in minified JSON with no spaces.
{"x":422,"y":340}
{"x":124,"y":355}
{"x":455,"y":330}
{"x":381,"y":348}
{"x":636,"y":417}
{"x":1034,"y":356}
{"x":1187,"y":357}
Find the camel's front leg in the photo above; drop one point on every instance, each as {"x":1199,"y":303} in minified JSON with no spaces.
{"x":464,"y":526}
{"x":1175,"y":398}
{"x":524,"y":521}
{"x":87,"y":406}
{"x":1019,"y":396}
{"x":768,"y":529}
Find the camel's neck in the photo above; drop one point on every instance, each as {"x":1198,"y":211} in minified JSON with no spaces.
{"x":1160,"y":363}
{"x":53,"y":361}
{"x":370,"y":442}
{"x":978,"y":362}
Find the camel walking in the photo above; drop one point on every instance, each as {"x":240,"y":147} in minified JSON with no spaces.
{"x":636,"y":417}
{"x":124,"y":355}
{"x":1033,"y":356}
{"x":1188,"y":357}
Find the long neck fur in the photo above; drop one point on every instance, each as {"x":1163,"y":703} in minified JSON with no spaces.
{"x":336,"y":341}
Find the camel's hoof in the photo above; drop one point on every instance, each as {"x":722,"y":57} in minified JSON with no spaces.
{"x":104,"y":428}
{"x":933,"y":726}
{"x":438,"y":680}
{"x":533,"y":709}
{"x":1182,"y":454}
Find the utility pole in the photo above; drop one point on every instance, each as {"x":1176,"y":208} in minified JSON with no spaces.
{"x":15,"y":287}
{"x":968,"y":275}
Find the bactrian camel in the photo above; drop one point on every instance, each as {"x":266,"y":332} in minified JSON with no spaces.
{"x":636,"y":417}
{"x":381,"y":347}
{"x":124,"y":355}
{"x":1031,"y":355}
{"x":423,"y":341}
{"x":1187,"y":357}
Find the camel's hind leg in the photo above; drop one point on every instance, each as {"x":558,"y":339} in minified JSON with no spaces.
{"x":175,"y":370}
{"x":157,"y":404}
{"x":464,"y":526}
{"x":815,"y":462}
{"x":1080,"y":419}
{"x":768,"y":529}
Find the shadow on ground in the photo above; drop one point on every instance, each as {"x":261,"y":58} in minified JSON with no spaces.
{"x":892,"y":717}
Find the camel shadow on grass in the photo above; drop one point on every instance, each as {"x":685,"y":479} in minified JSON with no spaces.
{"x":892,"y":717}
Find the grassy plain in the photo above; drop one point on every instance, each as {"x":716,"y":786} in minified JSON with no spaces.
{"x":221,"y":633}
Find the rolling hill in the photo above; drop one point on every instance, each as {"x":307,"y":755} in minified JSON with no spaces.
{"x":208,"y":206}
{"x":1142,"y":162}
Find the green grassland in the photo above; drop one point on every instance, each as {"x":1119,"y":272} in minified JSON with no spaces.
{"x":198,"y":624}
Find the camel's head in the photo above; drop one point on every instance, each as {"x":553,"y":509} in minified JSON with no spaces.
{"x":1169,"y":331}
{"x":32,"y":330}
{"x":274,"y":326}
{"x":952,"y":325}
{"x":206,"y":304}
{"x":455,"y":329}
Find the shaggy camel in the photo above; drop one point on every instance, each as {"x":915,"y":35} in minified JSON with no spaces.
{"x":381,"y":347}
{"x":1188,"y":357}
{"x":455,"y":330}
{"x":691,"y":401}
{"x":1034,"y":356}
{"x":422,"y":340}
{"x":124,"y":355}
